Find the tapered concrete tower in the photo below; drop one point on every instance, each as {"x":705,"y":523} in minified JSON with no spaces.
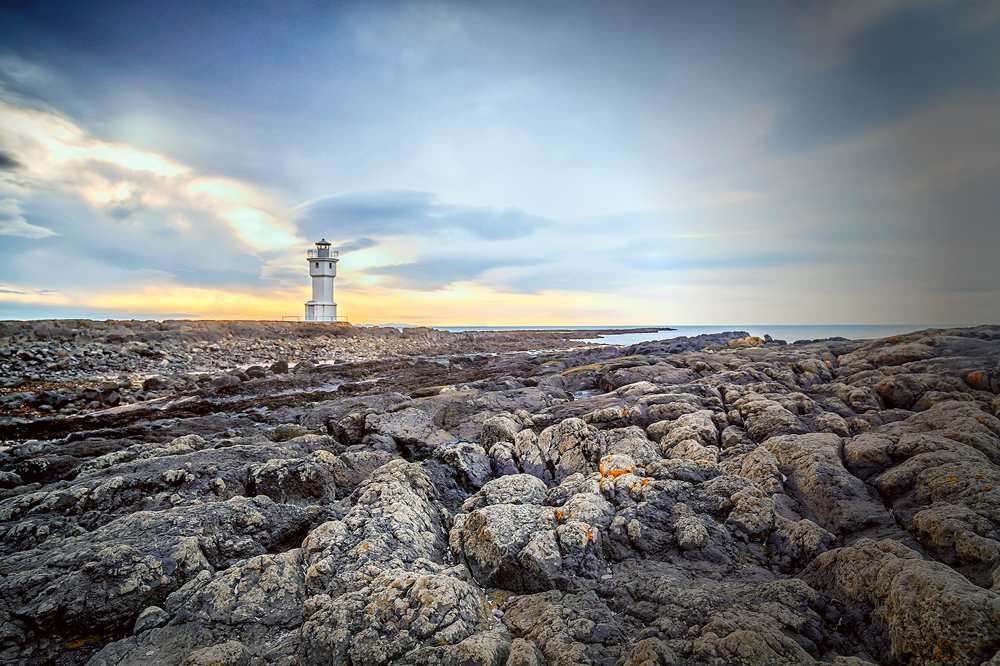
{"x":322,"y":269}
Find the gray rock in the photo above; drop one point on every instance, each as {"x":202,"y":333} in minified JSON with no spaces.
{"x":524,"y":653}
{"x":10,"y":479}
{"x":931,"y":612}
{"x":230,"y":653}
{"x":222,"y":381}
{"x":152,"y":617}
{"x":393,"y":522}
{"x":498,"y":429}
{"x":568,"y":629}
{"x":304,"y":368}
{"x":503,"y":459}
{"x":411,"y":428}
{"x":397,"y":612}
{"x":155,"y":384}
{"x":469,"y":462}
{"x":287,"y":431}
{"x":491,"y":540}
{"x":120,"y":564}
{"x":650,"y":652}
{"x":828,"y":493}
{"x":488,"y":648}
{"x":513,"y":489}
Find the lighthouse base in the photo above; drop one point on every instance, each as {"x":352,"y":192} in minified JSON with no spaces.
{"x":321,"y":311}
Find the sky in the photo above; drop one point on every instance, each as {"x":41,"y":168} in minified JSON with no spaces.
{"x":503,"y":163}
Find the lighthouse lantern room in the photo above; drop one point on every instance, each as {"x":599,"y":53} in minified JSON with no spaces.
{"x":322,"y":269}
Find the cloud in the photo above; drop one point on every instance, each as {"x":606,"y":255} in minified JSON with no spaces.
{"x":147,"y":190}
{"x":356,"y":245}
{"x":391,"y":213}
{"x":904,"y":60}
{"x":706,"y":253}
{"x":437,"y":272}
{"x":12,"y":222}
{"x":8,"y":162}
{"x":39,"y":292}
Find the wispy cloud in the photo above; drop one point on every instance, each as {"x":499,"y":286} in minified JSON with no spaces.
{"x":124,"y":183}
{"x":392,"y":213}
{"x":12,"y":222}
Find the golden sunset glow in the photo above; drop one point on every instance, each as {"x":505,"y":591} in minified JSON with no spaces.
{"x":204,"y":303}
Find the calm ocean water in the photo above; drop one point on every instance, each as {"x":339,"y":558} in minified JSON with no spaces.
{"x":778,"y":332}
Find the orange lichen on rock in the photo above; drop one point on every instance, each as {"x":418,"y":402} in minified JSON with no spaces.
{"x":616,"y":465}
{"x":85,"y":641}
{"x":749,"y":341}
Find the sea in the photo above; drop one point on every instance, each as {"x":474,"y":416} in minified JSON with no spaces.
{"x":788,"y":333}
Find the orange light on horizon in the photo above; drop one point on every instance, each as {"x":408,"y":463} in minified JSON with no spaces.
{"x":370,"y":304}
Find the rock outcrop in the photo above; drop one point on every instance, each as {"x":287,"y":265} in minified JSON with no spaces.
{"x":710,"y":501}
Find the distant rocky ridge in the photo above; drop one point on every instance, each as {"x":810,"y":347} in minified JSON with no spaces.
{"x":73,"y":366}
{"x":450,"y":499}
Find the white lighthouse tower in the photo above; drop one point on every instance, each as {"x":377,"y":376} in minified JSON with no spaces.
{"x":322,"y":269}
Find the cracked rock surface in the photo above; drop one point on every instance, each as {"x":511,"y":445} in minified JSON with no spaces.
{"x":707,"y":501}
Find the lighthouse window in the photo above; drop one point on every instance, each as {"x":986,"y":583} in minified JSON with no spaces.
{"x":317,"y":264}
{"x":331,"y":265}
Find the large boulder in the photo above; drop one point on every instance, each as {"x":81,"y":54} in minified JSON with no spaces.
{"x":396,"y":612}
{"x":825,"y":490}
{"x":932,"y":614}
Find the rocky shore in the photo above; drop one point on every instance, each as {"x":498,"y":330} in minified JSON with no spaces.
{"x":68,"y":367}
{"x":251,"y":493}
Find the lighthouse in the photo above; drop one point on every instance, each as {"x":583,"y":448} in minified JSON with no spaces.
{"x":322,"y":269}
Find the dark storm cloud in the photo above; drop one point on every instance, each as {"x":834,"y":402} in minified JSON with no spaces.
{"x":435,"y":273}
{"x":909,"y":58}
{"x":8,"y":162}
{"x":403,"y":213}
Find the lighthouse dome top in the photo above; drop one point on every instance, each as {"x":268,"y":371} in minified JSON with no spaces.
{"x":322,"y":251}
